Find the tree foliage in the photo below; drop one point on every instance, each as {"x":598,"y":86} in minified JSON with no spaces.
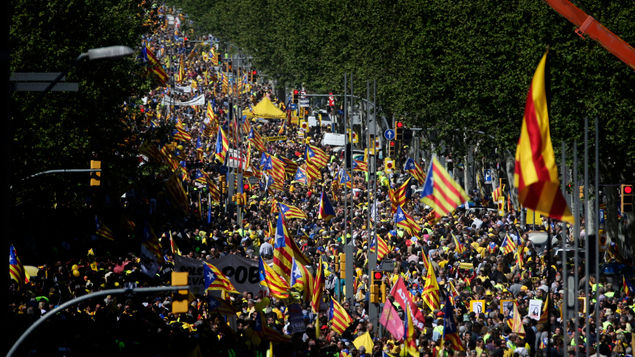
{"x":65,"y":130}
{"x":459,"y":67}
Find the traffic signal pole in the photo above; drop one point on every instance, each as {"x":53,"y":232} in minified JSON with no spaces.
{"x":62,"y":307}
{"x":372,"y":256}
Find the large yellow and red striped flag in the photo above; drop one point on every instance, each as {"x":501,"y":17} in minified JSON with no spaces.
{"x":536,"y":173}
{"x":339,"y":318}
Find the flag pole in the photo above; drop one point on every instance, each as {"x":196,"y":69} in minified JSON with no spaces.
{"x":548,"y":263}
{"x":576,"y":242}
{"x":372,"y":257}
{"x":597,"y":231}
{"x":565,"y":275}
{"x":587,"y":300}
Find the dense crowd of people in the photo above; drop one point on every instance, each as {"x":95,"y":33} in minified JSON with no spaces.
{"x":465,"y":249}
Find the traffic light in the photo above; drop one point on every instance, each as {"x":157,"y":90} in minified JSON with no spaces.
{"x":626,"y":196}
{"x":391,"y":148}
{"x":399,"y":128}
{"x":342,"y":266}
{"x":382,"y":292}
{"x":180,"y":299}
{"x":254,"y":75}
{"x":95,"y":177}
{"x":376,"y":284}
{"x":374,"y":294}
{"x":377,"y":277}
{"x":295,"y":96}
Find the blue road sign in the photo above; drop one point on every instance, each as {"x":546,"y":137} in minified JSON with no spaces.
{"x":389,"y":134}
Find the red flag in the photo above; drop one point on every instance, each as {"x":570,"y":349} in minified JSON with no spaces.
{"x":391,"y":321}
{"x":404,"y":298}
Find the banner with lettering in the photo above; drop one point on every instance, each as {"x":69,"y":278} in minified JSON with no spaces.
{"x":242,"y":272}
{"x":195,"y":277}
{"x":402,"y":297}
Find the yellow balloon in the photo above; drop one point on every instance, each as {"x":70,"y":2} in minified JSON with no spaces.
{"x":76,"y":273}
{"x":74,"y":267}
{"x":180,"y":147}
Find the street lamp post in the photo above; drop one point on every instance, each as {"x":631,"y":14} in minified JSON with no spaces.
{"x":92,"y":54}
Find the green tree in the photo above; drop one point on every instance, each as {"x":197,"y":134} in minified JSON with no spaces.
{"x":68,"y":129}
{"x":459,"y":67}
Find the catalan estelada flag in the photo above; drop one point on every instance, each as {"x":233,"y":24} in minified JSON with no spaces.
{"x":398,"y":196}
{"x":16,"y":269}
{"x":222,"y":145}
{"x":283,"y":249}
{"x":508,"y":245}
{"x":414,"y":169}
{"x":380,"y":245}
{"x":200,"y":176}
{"x":278,"y":287}
{"x":316,"y":156}
{"x":209,"y":114}
{"x":360,"y":166}
{"x":405,"y":221}
{"x":300,"y":176}
{"x":325,"y":211}
{"x":440,"y":191}
{"x":460,"y":247}
{"x":339,"y":318}
{"x":536,"y":173}
{"x":450,"y":332}
{"x":275,"y":167}
{"x":302,"y":279}
{"x":154,"y":64}
{"x":290,"y":211}
{"x":628,"y":288}
{"x":216,"y":280}
{"x":345,"y":179}
{"x":255,"y":138}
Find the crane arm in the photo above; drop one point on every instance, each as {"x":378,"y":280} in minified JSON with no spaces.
{"x":587,"y":25}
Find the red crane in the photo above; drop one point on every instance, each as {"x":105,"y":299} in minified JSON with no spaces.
{"x":587,"y":25}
